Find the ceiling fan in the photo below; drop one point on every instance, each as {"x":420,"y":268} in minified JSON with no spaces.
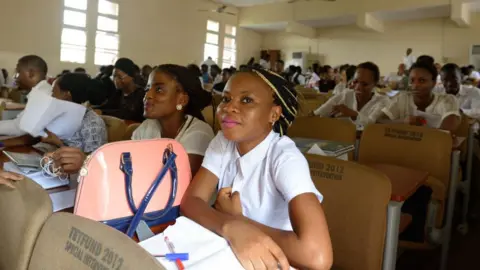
{"x":296,"y":1}
{"x":220,"y":9}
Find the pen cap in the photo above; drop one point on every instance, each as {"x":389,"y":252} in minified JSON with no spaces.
{"x":177,"y":256}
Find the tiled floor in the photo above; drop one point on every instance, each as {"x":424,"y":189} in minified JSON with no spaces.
{"x":464,"y":253}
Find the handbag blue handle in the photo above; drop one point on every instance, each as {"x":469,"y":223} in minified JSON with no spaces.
{"x":139,"y":214}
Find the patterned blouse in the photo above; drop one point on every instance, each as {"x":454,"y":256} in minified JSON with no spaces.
{"x":91,"y":135}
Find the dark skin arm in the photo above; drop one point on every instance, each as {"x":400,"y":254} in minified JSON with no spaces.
{"x":20,"y":141}
{"x":308,"y":246}
{"x":195,"y":163}
{"x":451,"y":123}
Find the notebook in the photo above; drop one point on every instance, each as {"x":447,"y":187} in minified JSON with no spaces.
{"x":328,"y":148}
{"x":63,"y":200}
{"x":206,"y":249}
{"x":63,"y":118}
{"x":30,"y":160}
{"x":47,"y":182}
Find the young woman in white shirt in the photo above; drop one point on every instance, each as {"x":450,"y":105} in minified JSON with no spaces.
{"x":468,"y":96}
{"x":173,"y":108}
{"x":359,"y":104}
{"x":404,"y":106}
{"x":268,"y":207}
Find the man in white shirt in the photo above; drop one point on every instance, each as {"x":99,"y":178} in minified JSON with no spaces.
{"x":468,"y":96}
{"x":265,"y":61}
{"x":475,"y":75}
{"x":31,"y":75}
{"x":209,"y":62}
{"x":409,"y":59}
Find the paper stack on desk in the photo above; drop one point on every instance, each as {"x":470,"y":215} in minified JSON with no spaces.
{"x":47,"y":182}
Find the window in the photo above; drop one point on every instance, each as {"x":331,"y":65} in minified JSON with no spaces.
{"x":229,"y":47}
{"x":74,"y":33}
{"x":107,"y":39}
{"x":211,"y":41}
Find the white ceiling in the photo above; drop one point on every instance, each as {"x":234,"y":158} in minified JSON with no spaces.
{"x":414,"y":14}
{"x":248,"y":3}
{"x":268,"y":27}
{"x":329,"y":22}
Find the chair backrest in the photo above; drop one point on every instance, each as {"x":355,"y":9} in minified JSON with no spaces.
{"x":67,"y":241}
{"x":210,"y":118}
{"x":323,"y":128}
{"x":420,"y":148}
{"x":463,"y":131}
{"x":116,"y":128}
{"x":23,"y":212}
{"x":129,"y":132}
{"x":355,"y":202}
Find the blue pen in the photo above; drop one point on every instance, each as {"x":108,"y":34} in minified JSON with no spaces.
{"x":174,"y":256}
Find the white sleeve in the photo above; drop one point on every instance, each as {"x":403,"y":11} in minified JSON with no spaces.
{"x":373,"y":114}
{"x":325,"y":109}
{"x":474,"y":111}
{"x":11,"y":127}
{"x":196,"y":141}
{"x":139,"y":132}
{"x":391,"y":110}
{"x":213,"y":156}
{"x":449,"y":106}
{"x":292,"y":176}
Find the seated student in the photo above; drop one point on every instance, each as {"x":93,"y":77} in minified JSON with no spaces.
{"x":395,"y":80}
{"x":266,"y":220}
{"x":226,"y":74}
{"x":298,"y":78}
{"x":173,"y":108}
{"x":126,"y":104}
{"x":215,"y":74}
{"x":31,"y":76}
{"x":360,"y":104}
{"x":195,"y":71}
{"x":205,"y":75}
{"x":327,"y":81}
{"x":468,"y":96}
{"x":423,"y":76}
{"x":346,"y":75}
{"x":77,"y":88}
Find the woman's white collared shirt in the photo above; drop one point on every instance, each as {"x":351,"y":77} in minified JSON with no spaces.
{"x":366,"y":115}
{"x":267,"y":178}
{"x":403,"y":106}
{"x":469,"y":100}
{"x":195,"y":135}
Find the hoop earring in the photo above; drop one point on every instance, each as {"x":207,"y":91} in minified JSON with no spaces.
{"x":179,"y":107}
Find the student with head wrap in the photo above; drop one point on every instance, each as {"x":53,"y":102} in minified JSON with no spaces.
{"x":173,"y":107}
{"x":127,"y":103}
{"x":262,"y":180}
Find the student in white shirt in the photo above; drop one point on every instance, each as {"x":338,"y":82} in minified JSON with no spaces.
{"x":31,"y":75}
{"x":467,"y":95}
{"x":423,"y":77}
{"x":395,"y":79}
{"x":360,"y":104}
{"x":409,"y":59}
{"x":473,"y":74}
{"x":173,"y":108}
{"x":264,"y":180}
{"x":265,"y":61}
{"x":298,"y":78}
{"x":209,"y":62}
{"x":347,"y":73}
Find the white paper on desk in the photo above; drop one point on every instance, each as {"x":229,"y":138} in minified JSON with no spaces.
{"x":433,"y":120}
{"x":392,"y":93}
{"x":206,"y":249}
{"x":63,"y":118}
{"x":63,"y":200}
{"x":46,"y":182}
{"x":316,"y":150}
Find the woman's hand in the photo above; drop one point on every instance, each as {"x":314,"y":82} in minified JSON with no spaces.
{"x":70,"y":159}
{"x":253,"y":248}
{"x":52,"y":139}
{"x":228,"y":202}
{"x":343,"y":110}
{"x":6,"y":178}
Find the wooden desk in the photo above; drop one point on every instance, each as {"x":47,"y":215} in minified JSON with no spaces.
{"x":405,"y":181}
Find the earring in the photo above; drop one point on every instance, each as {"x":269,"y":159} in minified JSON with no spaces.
{"x":179,"y":107}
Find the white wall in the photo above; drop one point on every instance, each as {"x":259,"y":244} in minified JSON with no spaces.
{"x":151,"y":32}
{"x":347,"y":44}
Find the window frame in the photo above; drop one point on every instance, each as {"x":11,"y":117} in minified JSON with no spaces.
{"x":98,"y":49}
{"x":234,"y":50}
{"x":65,"y":26}
{"x":208,"y":31}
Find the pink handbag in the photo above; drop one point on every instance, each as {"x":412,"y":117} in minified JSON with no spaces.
{"x":125,"y":182}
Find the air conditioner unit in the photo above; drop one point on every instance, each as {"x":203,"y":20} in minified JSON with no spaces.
{"x":475,"y":56}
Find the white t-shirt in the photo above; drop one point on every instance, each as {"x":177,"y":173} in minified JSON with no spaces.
{"x":312,"y":82}
{"x":263,"y":63}
{"x":194,"y":136}
{"x":340,"y":88}
{"x":394,"y":77}
{"x":12,"y":127}
{"x":469,"y":101}
{"x":403,"y":106}
{"x":267,"y":178}
{"x":409,"y":60}
{"x":474,"y":75}
{"x":367,"y":115}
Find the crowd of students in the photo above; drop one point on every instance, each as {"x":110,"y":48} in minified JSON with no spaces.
{"x":270,"y":221}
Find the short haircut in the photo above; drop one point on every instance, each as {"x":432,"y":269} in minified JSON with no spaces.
{"x":80,"y":70}
{"x":426,"y":66}
{"x":451,"y":67}
{"x":34,"y":62}
{"x":373,"y":68}
{"x":350,"y":71}
{"x":228,"y":71}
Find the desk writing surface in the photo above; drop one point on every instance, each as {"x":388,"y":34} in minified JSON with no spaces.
{"x":405,"y":181}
